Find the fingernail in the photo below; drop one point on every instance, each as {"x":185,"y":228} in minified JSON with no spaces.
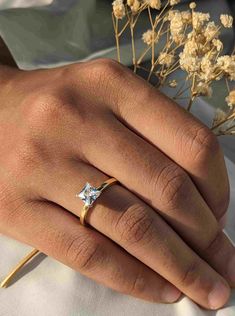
{"x":170,"y":294}
{"x":222,"y":221}
{"x":218,"y":296}
{"x":231,"y":269}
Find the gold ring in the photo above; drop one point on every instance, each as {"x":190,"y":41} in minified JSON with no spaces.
{"x":90,"y":194}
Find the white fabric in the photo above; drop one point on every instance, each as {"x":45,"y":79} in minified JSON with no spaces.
{"x":48,"y":288}
{"x":10,"y":4}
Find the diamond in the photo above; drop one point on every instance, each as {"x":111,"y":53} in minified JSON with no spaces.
{"x":89,"y":194}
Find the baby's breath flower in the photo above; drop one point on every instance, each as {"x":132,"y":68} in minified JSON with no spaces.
{"x":130,"y":2}
{"x":166,"y":59}
{"x":186,"y":17}
{"x":154,"y":4}
{"x":226,"y":64}
{"x":135,"y":6}
{"x":189,"y":63}
{"x":203,"y":89}
{"x":207,"y":68}
{"x":148,"y":37}
{"x":176,"y":26}
{"x":118,"y":9}
{"x":191,"y":47}
{"x":178,"y":38}
{"x":171,"y":14}
{"x":217,"y":44}
{"x":231,"y":99}
{"x":226,"y":20}
{"x":192,"y":41}
{"x":174,"y":2}
{"x":199,"y":20}
{"x":211,"y":31}
{"x":206,"y":63}
{"x":192,"y":5}
{"x":220,"y":116}
{"x":173,"y":83}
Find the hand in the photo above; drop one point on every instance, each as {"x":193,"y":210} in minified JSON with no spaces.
{"x":156,"y":233}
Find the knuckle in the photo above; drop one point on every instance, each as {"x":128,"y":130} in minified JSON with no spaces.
{"x":25,"y":157}
{"x":214,"y":244}
{"x":223,"y":203}
{"x":138,"y":284}
{"x":203,"y":145}
{"x":106,"y":67}
{"x":43,"y":109}
{"x":190,"y":275}
{"x":5,"y":206}
{"x":14,"y":210}
{"x":105,"y":73}
{"x":108,"y":77}
{"x":84,"y":253}
{"x":147,"y":95}
{"x":135,"y":225}
{"x":174,"y":185}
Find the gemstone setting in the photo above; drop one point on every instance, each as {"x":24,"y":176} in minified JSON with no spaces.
{"x":89,"y":194}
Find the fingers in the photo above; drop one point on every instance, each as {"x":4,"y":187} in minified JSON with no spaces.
{"x":156,"y":179}
{"x":178,"y":134}
{"x":129,"y":222}
{"x":59,"y":234}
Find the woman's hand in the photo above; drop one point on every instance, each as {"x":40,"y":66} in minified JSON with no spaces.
{"x":155,"y":232}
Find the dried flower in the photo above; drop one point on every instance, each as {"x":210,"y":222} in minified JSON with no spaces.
{"x":217,"y":44}
{"x":226,"y":20}
{"x":231,"y":99}
{"x":189,"y":63}
{"x":207,"y":69}
{"x":190,"y":41}
{"x":211,"y":31}
{"x":154,"y":4}
{"x":148,"y":37}
{"x":174,"y":2}
{"x":118,"y":9}
{"x":191,"y":47}
{"x":199,"y":20}
{"x":135,"y":5}
{"x":226,"y":64}
{"x":220,"y":116}
{"x":203,"y":89}
{"x":186,"y":17}
{"x":173,"y":83}
{"x":166,"y":59}
{"x":177,"y":25}
{"x":192,"y":5}
{"x":130,"y":2}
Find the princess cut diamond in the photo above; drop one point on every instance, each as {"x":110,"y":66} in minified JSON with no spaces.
{"x":89,"y":194}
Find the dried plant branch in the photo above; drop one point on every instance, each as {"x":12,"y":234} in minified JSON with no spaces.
{"x":181,"y":40}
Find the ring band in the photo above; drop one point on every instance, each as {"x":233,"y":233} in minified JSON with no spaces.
{"x":90,"y":194}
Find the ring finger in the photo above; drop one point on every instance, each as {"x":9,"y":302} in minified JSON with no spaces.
{"x":162,"y":184}
{"x":132,"y":224}
{"x":59,"y":234}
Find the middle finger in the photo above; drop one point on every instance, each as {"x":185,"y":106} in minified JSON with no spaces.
{"x":162,"y":184}
{"x":132,"y":224}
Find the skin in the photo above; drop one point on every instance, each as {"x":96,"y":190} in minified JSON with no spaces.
{"x":154,"y":235}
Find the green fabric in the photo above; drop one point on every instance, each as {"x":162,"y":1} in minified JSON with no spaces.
{"x":72,"y":30}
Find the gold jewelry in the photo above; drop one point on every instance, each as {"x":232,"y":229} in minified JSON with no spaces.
{"x":9,"y":277}
{"x":90,"y":194}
